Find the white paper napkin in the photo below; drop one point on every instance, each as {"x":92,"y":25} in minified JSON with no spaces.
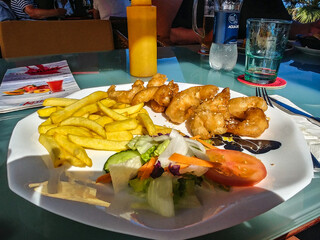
{"x":310,"y":131}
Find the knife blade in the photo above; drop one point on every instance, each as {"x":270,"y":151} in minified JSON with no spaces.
{"x":293,"y":111}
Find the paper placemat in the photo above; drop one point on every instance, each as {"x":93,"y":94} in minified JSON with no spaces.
{"x":310,"y":131}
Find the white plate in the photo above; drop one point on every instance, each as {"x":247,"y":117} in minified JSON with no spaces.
{"x":289,"y":171}
{"x":310,"y":51}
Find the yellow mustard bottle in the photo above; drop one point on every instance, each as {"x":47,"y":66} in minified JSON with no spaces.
{"x":142,"y":35}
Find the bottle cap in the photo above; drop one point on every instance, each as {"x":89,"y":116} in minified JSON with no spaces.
{"x":140,"y":2}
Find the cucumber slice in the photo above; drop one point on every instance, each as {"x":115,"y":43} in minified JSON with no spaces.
{"x":120,"y":157}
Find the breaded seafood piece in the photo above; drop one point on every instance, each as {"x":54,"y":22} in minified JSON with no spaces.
{"x":157,"y":80}
{"x":253,"y":124}
{"x":208,"y":92}
{"x":158,"y":97}
{"x":156,"y":107}
{"x":207,"y":123}
{"x":217,"y":104}
{"x":144,"y":95}
{"x":165,"y":93}
{"x":125,"y":96}
{"x":185,"y":102}
{"x":238,"y":106}
{"x":210,"y":116}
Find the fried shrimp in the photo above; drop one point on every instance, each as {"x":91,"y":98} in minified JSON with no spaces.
{"x":156,"y":107}
{"x":183,"y":103}
{"x":253,"y":124}
{"x":165,"y":93}
{"x":157,"y":80}
{"x":217,"y":104}
{"x":159,"y":97}
{"x":207,"y":92}
{"x":144,"y":95}
{"x":210,"y":117}
{"x":207,"y":123}
{"x":125,"y":96}
{"x":238,"y":106}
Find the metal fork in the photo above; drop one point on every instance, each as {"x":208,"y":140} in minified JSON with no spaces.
{"x":262,"y":92}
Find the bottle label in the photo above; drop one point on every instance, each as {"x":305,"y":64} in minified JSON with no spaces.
{"x":226,"y":27}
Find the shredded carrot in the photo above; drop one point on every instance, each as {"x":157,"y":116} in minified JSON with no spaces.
{"x":195,"y":137}
{"x":142,"y":168}
{"x":105,"y":178}
{"x":176,"y":157}
{"x":182,"y":166}
{"x":204,"y":143}
{"x":145,"y":171}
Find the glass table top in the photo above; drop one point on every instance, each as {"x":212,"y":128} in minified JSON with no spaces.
{"x":21,"y":219}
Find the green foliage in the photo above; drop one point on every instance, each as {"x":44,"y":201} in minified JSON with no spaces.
{"x":304,"y":11}
{"x":308,"y":14}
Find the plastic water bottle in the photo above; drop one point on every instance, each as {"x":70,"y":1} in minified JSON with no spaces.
{"x":223,"y":52}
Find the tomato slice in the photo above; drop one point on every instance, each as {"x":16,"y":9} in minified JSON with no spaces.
{"x":235,"y":168}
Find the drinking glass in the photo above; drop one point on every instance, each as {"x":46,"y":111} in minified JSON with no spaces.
{"x":265,"y":44}
{"x":206,"y":32}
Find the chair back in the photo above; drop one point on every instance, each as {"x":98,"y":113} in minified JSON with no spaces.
{"x":33,"y":38}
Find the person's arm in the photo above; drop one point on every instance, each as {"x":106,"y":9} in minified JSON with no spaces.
{"x":37,"y":13}
{"x":95,"y":13}
{"x":95,"y":10}
{"x":182,"y":35}
{"x":304,"y":29}
{"x":166,"y":12}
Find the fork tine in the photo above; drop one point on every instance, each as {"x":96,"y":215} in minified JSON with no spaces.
{"x":258,"y":92}
{"x":266,"y":97}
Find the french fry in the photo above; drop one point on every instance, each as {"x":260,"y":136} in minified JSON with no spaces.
{"x":65,"y":130}
{"x":86,"y":115}
{"x":91,"y":108}
{"x":120,"y":105}
{"x":108,"y":102}
{"x":94,"y":122}
{"x":42,"y":129}
{"x":46,"y":122}
{"x":147,"y":122}
{"x":135,"y":115}
{"x":94,"y":117}
{"x":139,"y":130}
{"x":119,"y":136}
{"x":58,"y":102}
{"x":53,"y":149}
{"x":86,"y":123}
{"x":123,"y":125}
{"x":163,"y":130}
{"x":98,"y":144}
{"x":71,"y":159}
{"x":103,"y":120}
{"x":59,"y":116}
{"x":57,"y":154}
{"x":72,"y":148}
{"x":109,"y":112}
{"x":130,"y":110}
{"x":46,"y":112}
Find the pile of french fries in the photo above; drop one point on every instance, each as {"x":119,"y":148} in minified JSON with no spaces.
{"x":92,"y":122}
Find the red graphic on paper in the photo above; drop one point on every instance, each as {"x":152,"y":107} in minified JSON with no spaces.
{"x":29,"y":89}
{"x":42,"y":70}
